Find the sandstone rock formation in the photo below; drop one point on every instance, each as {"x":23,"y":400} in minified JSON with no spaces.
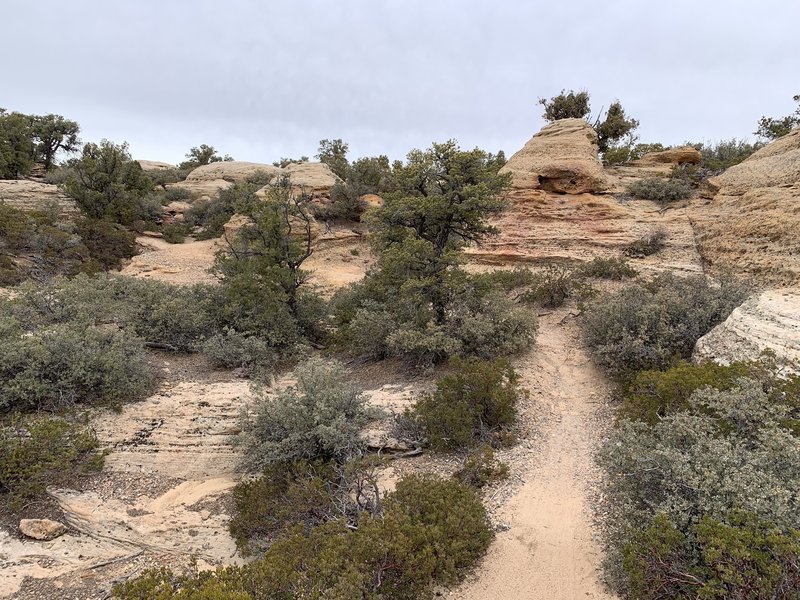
{"x":234,"y":170}
{"x":752,"y":224}
{"x":561,"y":158}
{"x":154,"y":165}
{"x":671,"y":157}
{"x":41,"y":529}
{"x":769,"y":321}
{"x":312,"y":176}
{"x":32,"y":195}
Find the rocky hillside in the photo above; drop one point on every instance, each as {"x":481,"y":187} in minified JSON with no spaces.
{"x":751,"y":223}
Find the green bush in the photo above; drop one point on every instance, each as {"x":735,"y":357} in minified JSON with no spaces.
{"x":283,"y":496}
{"x":646,"y":325}
{"x":652,"y":395}
{"x":61,"y":365}
{"x":745,"y":558}
{"x":661,"y":190}
{"x":555,"y":285}
{"x":39,"y":451}
{"x":321,"y":419}
{"x":43,"y":244}
{"x":613,"y":268}
{"x":729,"y":450}
{"x":476,"y":404}
{"x":705,"y":488}
{"x":234,"y":350}
{"x":650,"y":243}
{"x":481,"y":468}
{"x":107,"y":184}
{"x":506,"y":279}
{"x":175,"y":233}
{"x":430,"y":531}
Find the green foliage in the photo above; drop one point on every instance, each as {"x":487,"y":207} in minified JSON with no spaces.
{"x":234,"y":350}
{"x":772,"y":128}
{"x":27,"y":139}
{"x":162,"y":314}
{"x":54,"y":134}
{"x":202,"y":155}
{"x":555,"y":285}
{"x":261,"y":268}
{"x":417,"y":303}
{"x":285,"y":495}
{"x":430,"y":531}
{"x":175,"y":233}
{"x":615,"y":127}
{"x":660,"y":190}
{"x":650,"y":243}
{"x":473,"y":405}
{"x":42,"y":244}
{"x":625,"y":153}
{"x":506,"y":279}
{"x":108,"y":244}
{"x":285,"y":162}
{"x":321,"y":419}
{"x":39,"y":451}
{"x":334,"y":154}
{"x":690,"y":475}
{"x":481,"y":468}
{"x":646,"y":325}
{"x":613,"y":268}
{"x":107,"y":184}
{"x":716,"y":157}
{"x":652,"y":395}
{"x":17,"y":144}
{"x":567,"y":105}
{"x":60,"y":365}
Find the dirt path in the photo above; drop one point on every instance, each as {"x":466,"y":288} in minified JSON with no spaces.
{"x":548,"y":552}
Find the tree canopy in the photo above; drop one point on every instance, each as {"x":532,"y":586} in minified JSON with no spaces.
{"x":28,"y":139}
{"x":612,"y":127}
{"x":772,"y":128}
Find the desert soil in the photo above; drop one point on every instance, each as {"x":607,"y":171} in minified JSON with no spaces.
{"x":549,"y":548}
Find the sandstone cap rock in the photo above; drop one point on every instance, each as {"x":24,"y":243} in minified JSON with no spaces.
{"x":561,"y":158}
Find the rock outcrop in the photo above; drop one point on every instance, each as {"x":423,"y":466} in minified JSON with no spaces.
{"x":752,"y":224}
{"x":313,"y":178}
{"x":154,"y":165}
{"x":674,"y":156}
{"x":32,"y":195}
{"x":769,"y":321}
{"x":232,"y":171}
{"x":41,"y":529}
{"x":561,"y":158}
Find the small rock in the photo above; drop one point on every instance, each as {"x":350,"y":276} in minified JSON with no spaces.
{"x":41,"y":529}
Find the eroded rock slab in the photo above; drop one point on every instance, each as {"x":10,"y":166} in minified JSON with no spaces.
{"x":752,"y":225}
{"x":33,"y":195}
{"x":768,"y":321}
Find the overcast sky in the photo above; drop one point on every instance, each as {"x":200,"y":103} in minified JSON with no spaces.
{"x":262,"y":79}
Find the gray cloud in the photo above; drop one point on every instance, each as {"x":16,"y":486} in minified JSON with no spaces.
{"x":261,"y":80}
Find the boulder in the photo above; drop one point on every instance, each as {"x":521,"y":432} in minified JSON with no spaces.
{"x":231,"y":171}
{"x":41,"y":529}
{"x":674,"y":156}
{"x":561,"y":158}
{"x":154,"y":165}
{"x":175,"y":211}
{"x":32,"y":195}
{"x":311,"y":176}
{"x":768,"y":321}
{"x":751,"y":224}
{"x":237,"y":222}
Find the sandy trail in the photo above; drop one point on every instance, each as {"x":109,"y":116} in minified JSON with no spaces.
{"x":549,"y":552}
